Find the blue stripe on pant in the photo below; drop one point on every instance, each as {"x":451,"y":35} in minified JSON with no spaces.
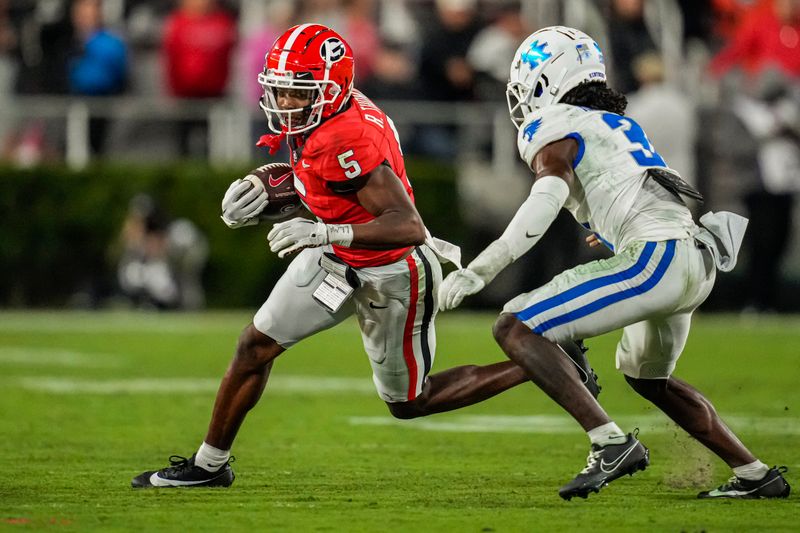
{"x":605,"y":301}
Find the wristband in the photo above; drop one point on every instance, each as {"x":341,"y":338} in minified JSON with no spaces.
{"x":340,"y":234}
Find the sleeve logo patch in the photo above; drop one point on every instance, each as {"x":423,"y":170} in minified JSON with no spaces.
{"x":531,"y":129}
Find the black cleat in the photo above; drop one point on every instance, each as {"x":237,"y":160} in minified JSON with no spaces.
{"x":605,"y":464}
{"x":576,"y":351}
{"x":182,"y":472}
{"x":770,"y":486}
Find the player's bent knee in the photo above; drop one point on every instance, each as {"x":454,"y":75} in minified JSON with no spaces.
{"x":255,"y":349}
{"x":648,"y":388}
{"x":405,"y":410}
{"x":503,"y":326}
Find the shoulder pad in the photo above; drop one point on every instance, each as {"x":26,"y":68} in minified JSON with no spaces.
{"x":344,"y":150}
{"x":546,"y":125}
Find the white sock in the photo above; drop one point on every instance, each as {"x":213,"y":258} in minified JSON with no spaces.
{"x":606,"y":434}
{"x":210,"y":458}
{"x":754,"y":471}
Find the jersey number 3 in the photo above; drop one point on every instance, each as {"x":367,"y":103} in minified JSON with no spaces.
{"x":351,"y":168}
{"x":645,"y":155}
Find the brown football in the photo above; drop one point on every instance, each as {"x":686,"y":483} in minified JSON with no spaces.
{"x":278,"y":180}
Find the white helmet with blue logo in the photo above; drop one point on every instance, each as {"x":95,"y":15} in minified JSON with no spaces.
{"x":547,"y":65}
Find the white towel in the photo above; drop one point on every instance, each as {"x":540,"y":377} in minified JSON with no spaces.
{"x":446,"y":252}
{"x":722,"y":233}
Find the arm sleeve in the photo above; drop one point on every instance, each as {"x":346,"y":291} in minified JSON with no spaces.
{"x":530,"y":222}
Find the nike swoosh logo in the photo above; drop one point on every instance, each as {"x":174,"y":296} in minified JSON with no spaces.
{"x":372,"y":305}
{"x":274,"y":182}
{"x":528,"y":235}
{"x":157,"y":481}
{"x":304,"y":164}
{"x":731,"y":493}
{"x":616,"y":462}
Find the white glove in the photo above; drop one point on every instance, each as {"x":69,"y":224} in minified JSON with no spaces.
{"x":458,"y":285}
{"x":240,"y":208}
{"x":293,"y":235}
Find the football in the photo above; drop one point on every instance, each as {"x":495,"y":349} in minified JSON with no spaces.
{"x":278,"y":180}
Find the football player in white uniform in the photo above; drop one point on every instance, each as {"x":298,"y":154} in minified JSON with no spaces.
{"x":599,"y":164}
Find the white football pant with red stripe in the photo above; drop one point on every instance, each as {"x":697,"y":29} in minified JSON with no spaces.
{"x":395,"y":306}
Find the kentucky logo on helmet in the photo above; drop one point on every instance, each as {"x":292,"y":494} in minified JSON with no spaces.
{"x":536,"y":55}
{"x":332,"y":50}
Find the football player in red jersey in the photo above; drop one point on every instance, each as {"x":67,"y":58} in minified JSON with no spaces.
{"x":368,"y":254}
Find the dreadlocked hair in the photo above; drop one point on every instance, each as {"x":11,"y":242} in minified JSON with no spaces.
{"x":596,"y":95}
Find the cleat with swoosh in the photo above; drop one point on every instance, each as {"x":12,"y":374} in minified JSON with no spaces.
{"x":183,"y":472}
{"x":772,"y":485}
{"x":605,"y":464}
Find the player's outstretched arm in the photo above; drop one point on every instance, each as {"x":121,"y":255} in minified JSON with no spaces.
{"x":554,"y":175}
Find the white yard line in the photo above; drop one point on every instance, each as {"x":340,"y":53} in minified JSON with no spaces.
{"x":564,"y":424}
{"x":33,"y":356}
{"x":285,"y":384}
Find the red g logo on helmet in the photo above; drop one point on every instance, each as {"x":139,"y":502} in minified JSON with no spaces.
{"x":308,"y":57}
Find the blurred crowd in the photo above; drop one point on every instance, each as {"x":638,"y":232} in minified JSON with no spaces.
{"x":715,"y":83}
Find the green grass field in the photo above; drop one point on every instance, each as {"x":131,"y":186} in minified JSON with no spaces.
{"x":90,"y":400}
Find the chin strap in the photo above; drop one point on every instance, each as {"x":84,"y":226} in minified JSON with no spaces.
{"x":273,"y":142}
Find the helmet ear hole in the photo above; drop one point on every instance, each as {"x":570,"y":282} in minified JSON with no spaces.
{"x":539,"y":89}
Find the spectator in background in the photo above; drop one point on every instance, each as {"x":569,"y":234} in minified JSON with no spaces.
{"x":772,"y":119}
{"x":279,"y":16}
{"x":394,"y":75}
{"x":629,"y":37}
{"x":767,"y":37}
{"x":766,"y":51}
{"x":62,"y":49}
{"x":325,"y":12}
{"x":729,"y":14}
{"x":361,"y":31}
{"x":663,"y":109}
{"x":161,"y":261}
{"x":199,"y":37}
{"x":444,"y":71}
{"x":40,"y":43}
{"x":98,"y":64}
{"x":698,"y":19}
{"x":8,"y":41}
{"x":493,"y":49}
{"x":42,"y":53}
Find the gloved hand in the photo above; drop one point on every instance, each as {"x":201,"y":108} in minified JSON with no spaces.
{"x":293,"y":235}
{"x":240,"y":208}
{"x":458,"y":285}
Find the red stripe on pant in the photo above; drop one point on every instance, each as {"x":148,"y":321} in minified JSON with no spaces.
{"x":408,"y":331}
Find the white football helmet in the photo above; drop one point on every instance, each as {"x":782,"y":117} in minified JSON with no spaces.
{"x":547,"y":65}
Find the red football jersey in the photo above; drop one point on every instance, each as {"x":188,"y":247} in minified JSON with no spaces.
{"x":347,"y":146}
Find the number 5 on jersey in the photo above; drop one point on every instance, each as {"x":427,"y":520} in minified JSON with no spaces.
{"x":351,"y":168}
